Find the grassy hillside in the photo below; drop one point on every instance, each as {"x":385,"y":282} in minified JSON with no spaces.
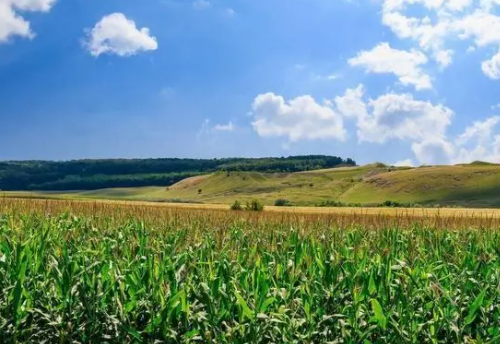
{"x":302,"y":188}
{"x":468,"y":185}
{"x":474,"y":185}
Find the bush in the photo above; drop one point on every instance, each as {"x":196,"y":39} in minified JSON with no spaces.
{"x":236,"y":206}
{"x":254,"y":205}
{"x":330,"y":203}
{"x":282,"y":203}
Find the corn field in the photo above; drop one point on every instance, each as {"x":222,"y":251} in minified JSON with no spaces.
{"x":84,"y":272}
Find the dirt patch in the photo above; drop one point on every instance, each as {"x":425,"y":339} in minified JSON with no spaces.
{"x":188,"y":182}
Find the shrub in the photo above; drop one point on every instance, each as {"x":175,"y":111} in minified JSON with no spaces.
{"x":282,"y":203}
{"x":254,"y":205}
{"x":236,"y":206}
{"x":331,"y":203}
{"x":199,"y":191}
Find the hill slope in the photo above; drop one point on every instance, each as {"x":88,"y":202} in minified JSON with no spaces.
{"x":474,"y":185}
{"x":468,"y":185}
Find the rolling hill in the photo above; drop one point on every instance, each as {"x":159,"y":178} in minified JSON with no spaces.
{"x":473,"y":185}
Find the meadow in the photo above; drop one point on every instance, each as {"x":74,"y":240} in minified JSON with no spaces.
{"x":108,"y":272}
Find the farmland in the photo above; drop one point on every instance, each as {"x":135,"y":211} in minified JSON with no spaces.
{"x":113,"y":272}
{"x":468,"y":186}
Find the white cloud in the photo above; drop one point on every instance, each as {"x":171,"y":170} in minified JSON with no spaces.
{"x":399,"y":116}
{"x":439,"y":22}
{"x":481,"y":131}
{"x":115,"y":34}
{"x":404,"y":64}
{"x":422,"y":124}
{"x":491,"y":68}
{"x":12,"y":23}
{"x":477,"y":142}
{"x":207,"y":130}
{"x":434,"y":151}
{"x":481,"y":26}
{"x":351,"y":104}
{"x":429,"y":36}
{"x":301,"y":118}
{"x":224,"y":127}
{"x":404,"y":163}
{"x":444,"y":57}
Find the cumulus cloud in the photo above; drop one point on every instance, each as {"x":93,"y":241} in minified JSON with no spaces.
{"x":301,"y":118}
{"x":115,"y":34}
{"x":480,"y":131}
{"x":480,"y":26}
{"x":491,"y":67}
{"x":421,"y":124}
{"x":351,"y":104}
{"x":406,"y":65}
{"x":12,"y":23}
{"x":434,"y":151}
{"x":442,"y":21}
{"x":477,"y":142}
{"x":400,"y":116}
{"x":390,"y":116}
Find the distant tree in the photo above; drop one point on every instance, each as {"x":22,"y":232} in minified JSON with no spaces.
{"x":236,"y":206}
{"x":109,"y":173}
{"x":282,"y":203}
{"x":254,"y":205}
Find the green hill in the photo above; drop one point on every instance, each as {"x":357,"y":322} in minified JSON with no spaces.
{"x":467,"y":185}
{"x":473,"y":185}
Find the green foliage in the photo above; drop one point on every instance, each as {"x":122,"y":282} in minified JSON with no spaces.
{"x":393,"y":204}
{"x":217,"y":278}
{"x":108,"y":173}
{"x":254,"y":205}
{"x":338,"y":204}
{"x":386,"y":204}
{"x":281,"y":202}
{"x":236,"y":206}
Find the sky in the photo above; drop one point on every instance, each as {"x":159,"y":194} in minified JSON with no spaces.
{"x":405,"y":82}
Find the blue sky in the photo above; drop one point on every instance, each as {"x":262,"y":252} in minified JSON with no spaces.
{"x":398,"y":81}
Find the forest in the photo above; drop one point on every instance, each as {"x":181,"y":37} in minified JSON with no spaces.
{"x":108,"y":173}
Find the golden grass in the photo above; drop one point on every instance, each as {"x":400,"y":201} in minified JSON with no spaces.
{"x":219,"y":213}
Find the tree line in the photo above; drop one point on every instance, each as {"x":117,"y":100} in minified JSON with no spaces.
{"x":107,"y":173}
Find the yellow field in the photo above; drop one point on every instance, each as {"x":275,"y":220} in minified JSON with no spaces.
{"x":418,"y":212}
{"x":371,"y":217}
